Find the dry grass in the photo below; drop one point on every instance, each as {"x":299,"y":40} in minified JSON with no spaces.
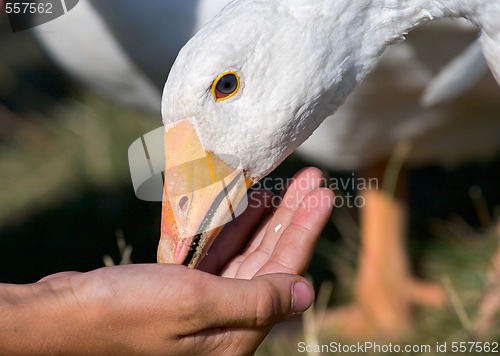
{"x":469,"y":270}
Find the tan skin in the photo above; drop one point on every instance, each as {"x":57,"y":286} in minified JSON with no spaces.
{"x":244,"y":287}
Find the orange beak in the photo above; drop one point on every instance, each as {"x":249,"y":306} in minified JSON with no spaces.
{"x":202,"y":192}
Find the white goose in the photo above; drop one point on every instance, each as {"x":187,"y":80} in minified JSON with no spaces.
{"x":261,"y":77}
{"x":138,"y":42}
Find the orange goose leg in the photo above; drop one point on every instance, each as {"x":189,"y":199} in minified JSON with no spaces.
{"x":385,"y":290}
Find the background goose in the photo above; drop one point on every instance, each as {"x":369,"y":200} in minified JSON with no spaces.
{"x":124,"y":50}
{"x":369,"y":129}
{"x":128,"y":68}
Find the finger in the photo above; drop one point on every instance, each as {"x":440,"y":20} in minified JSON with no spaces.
{"x":255,"y":257}
{"x":294,"y":250}
{"x":235,"y":234}
{"x":231,"y":269}
{"x":257,"y":303}
{"x":303,"y":182}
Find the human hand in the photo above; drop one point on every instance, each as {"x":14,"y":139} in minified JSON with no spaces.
{"x":284,"y":241}
{"x":170,"y":309}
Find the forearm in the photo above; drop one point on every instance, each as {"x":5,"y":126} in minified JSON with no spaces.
{"x":85,"y":313}
{"x":16,"y":324}
{"x":36,"y":319}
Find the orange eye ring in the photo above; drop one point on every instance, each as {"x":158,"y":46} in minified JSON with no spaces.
{"x":225,"y":86}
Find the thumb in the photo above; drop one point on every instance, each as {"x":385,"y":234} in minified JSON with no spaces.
{"x":257,"y":303}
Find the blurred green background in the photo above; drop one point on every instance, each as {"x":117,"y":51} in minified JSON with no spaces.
{"x":66,"y":194}
{"x":65,"y":189}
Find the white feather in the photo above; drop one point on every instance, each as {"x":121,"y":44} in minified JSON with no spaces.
{"x":459,"y":75}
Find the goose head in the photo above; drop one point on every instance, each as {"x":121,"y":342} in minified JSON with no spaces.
{"x":258,"y":90}
{"x":254,"y":84}
{"x":254,"y":95}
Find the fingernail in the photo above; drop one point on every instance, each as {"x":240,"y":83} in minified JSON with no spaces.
{"x":302,"y":297}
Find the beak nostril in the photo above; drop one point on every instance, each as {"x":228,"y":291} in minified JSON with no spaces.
{"x":183,"y":202}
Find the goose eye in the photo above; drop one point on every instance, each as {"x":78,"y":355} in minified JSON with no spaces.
{"x":225,"y":86}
